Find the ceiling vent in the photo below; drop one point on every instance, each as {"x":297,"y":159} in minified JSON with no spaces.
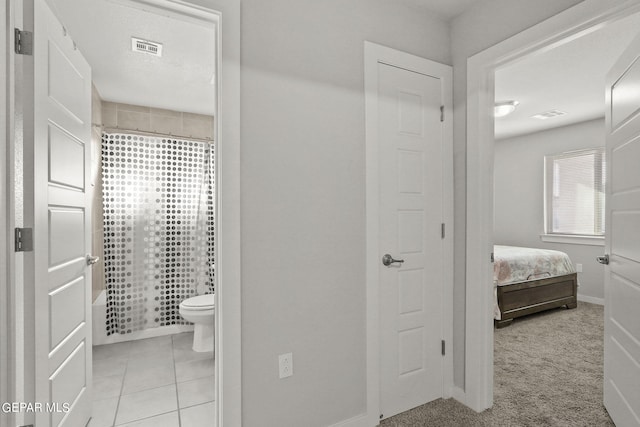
{"x":549,"y":114}
{"x":145,"y":46}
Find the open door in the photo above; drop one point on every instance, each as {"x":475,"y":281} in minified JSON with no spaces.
{"x":57,"y":130}
{"x":622,"y":242}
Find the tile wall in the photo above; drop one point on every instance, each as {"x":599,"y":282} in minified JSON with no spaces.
{"x":155,"y":120}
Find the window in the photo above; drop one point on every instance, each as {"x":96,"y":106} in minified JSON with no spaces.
{"x":574,"y":193}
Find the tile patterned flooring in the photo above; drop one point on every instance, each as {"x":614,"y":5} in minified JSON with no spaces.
{"x":159,"y":382}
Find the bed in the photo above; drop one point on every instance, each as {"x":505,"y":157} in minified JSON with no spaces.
{"x":528,"y":280}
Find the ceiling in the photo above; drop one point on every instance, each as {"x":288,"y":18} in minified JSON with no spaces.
{"x":447,"y":9}
{"x":569,"y":78}
{"x":179,"y":80}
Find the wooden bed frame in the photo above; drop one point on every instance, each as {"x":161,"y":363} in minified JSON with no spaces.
{"x":521,"y":299}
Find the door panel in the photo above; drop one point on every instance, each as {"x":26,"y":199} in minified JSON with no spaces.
{"x":411,"y":182}
{"x":64,"y":321}
{"x":57,"y":132}
{"x":65,"y":80}
{"x":66,"y":237}
{"x":66,"y":159}
{"x":624,"y":94}
{"x":622,"y":275}
{"x":69,"y":381}
{"x":626,"y":235}
{"x":626,"y":158}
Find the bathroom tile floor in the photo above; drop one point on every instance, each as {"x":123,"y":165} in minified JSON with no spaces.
{"x":159,"y":382}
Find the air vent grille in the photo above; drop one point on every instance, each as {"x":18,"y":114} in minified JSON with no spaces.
{"x":549,"y":114}
{"x":145,"y":46}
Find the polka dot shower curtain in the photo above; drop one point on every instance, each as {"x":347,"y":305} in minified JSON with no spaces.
{"x":158,"y":200}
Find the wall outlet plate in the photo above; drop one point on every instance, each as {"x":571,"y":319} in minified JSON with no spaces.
{"x":285,"y":363}
{"x":579,"y":268}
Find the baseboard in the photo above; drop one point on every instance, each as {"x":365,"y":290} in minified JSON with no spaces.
{"x":357,"y":421}
{"x":592,"y":300}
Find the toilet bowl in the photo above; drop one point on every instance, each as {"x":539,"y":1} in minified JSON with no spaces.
{"x":200,"y":310}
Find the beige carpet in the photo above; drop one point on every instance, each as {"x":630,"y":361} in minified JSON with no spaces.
{"x":548,"y":371}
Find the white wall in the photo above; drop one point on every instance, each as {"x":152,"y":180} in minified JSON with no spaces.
{"x":303,"y":199}
{"x":481,"y":26}
{"x":519,"y":198}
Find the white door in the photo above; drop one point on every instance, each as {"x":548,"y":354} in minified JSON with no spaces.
{"x":410,"y":139}
{"x":622,"y":242}
{"x":57,"y":129}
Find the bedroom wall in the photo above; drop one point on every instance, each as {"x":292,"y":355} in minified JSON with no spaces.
{"x":481,"y":26}
{"x":303,"y":198}
{"x":519,"y":196}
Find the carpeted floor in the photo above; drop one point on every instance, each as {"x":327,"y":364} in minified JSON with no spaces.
{"x":548,"y":371}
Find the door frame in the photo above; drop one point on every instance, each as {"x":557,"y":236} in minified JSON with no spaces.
{"x":228,"y":354}
{"x":226,"y":14}
{"x":374,"y":54}
{"x":7,"y":370}
{"x":570,"y":24}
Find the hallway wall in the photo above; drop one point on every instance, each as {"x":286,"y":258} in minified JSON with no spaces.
{"x":303,"y":198}
{"x":303,"y":236}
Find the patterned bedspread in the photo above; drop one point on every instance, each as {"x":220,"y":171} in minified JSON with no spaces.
{"x":513,"y":264}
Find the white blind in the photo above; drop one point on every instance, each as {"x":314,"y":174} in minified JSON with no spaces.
{"x":574,"y":193}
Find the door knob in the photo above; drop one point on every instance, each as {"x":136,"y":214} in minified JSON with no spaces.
{"x":603,"y":259}
{"x":92,"y":259}
{"x":388,"y":260}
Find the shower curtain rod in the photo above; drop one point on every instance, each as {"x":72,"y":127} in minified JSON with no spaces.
{"x":146,"y":133}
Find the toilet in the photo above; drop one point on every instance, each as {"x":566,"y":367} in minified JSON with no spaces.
{"x":200,"y":310}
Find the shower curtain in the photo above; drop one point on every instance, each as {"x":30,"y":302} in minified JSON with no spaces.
{"x":158,"y":201}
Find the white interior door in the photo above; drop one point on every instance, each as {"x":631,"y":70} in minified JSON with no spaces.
{"x":622,"y":242}
{"x":410,"y":139}
{"x":57,"y":198}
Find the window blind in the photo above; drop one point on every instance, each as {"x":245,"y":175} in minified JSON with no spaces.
{"x":574,"y":192}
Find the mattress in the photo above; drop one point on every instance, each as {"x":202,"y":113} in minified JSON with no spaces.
{"x":514,"y":264}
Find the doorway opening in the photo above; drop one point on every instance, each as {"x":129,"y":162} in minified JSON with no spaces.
{"x":226,"y":202}
{"x":578,"y":21}
{"x":549,"y":156}
{"x":154,"y":120}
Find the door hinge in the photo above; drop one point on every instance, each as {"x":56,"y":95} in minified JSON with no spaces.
{"x":492,"y":257}
{"x":442,"y":231}
{"x":24,"y":239}
{"x":442,"y":113}
{"x":443,"y":347}
{"x":23,"y":43}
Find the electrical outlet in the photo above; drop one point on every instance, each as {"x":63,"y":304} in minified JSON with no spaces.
{"x":285,"y":362}
{"x":579,"y":268}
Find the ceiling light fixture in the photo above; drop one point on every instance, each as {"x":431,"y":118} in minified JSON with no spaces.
{"x":502,"y":109}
